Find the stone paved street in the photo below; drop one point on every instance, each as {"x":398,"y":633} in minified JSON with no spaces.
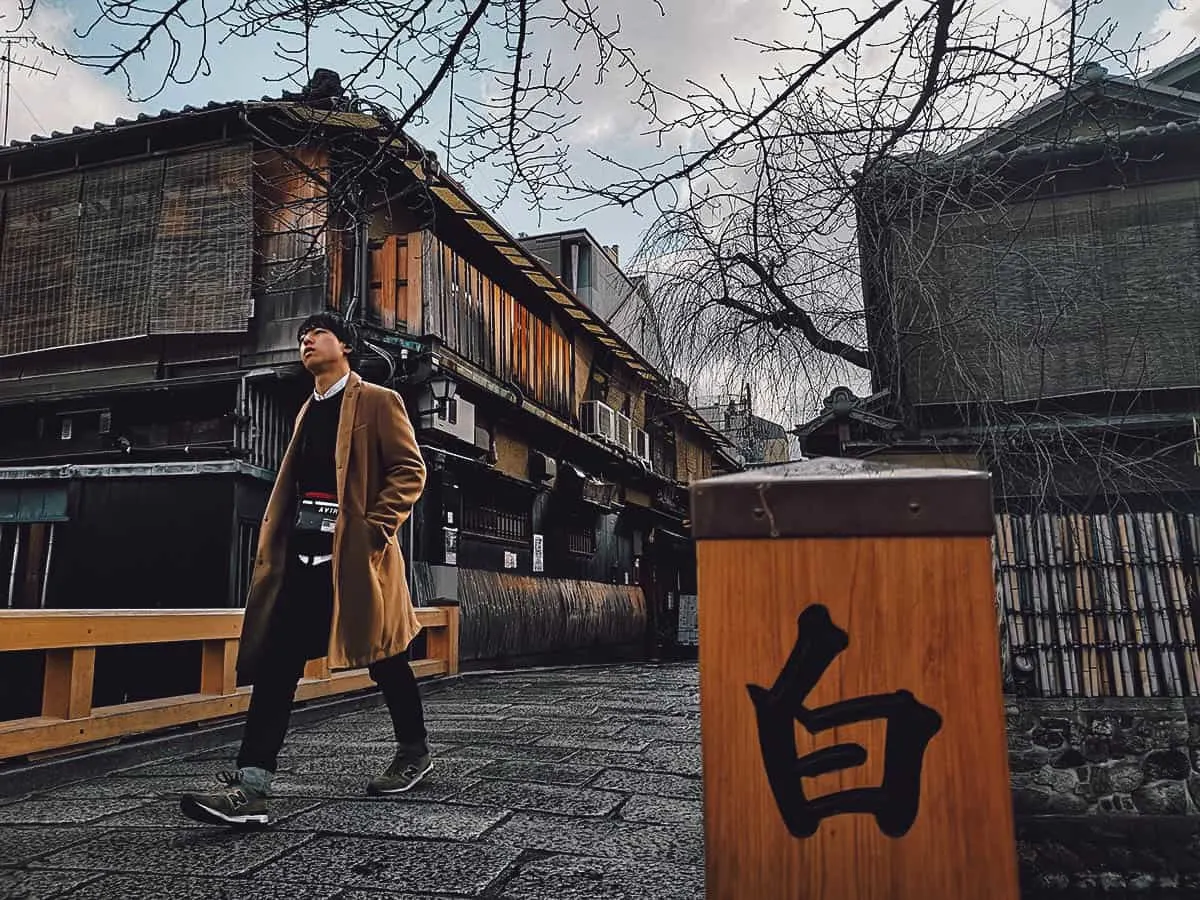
{"x":559,"y":784}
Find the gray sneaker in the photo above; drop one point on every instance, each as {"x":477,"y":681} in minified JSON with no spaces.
{"x":238,"y":804}
{"x":402,"y":775}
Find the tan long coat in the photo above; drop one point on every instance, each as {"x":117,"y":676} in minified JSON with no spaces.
{"x":380,"y":475}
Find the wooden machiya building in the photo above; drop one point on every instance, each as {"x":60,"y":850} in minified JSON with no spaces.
{"x":1033,"y":308}
{"x":153,"y":273}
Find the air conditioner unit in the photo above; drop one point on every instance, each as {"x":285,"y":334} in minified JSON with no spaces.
{"x":641,"y":444}
{"x":542,"y":467}
{"x":456,"y":417}
{"x":598,"y":420}
{"x":624,"y":432}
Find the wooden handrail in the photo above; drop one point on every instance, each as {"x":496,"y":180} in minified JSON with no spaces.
{"x":69,"y":638}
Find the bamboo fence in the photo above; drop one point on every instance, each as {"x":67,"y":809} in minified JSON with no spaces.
{"x":1102,"y":605}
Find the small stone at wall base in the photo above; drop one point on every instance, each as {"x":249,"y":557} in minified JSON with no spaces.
{"x":1162,"y":798}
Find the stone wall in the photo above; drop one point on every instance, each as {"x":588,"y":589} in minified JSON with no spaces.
{"x":1106,"y":793}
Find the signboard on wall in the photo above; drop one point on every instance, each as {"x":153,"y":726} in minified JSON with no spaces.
{"x":510,"y":559}
{"x":451,"y":545}
{"x":539,"y":553}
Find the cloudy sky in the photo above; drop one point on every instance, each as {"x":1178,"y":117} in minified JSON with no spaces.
{"x":692,"y":41}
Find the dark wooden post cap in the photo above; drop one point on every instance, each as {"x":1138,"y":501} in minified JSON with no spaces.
{"x":836,"y":497}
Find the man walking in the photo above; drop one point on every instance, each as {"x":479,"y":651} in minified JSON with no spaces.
{"x":328,"y":577}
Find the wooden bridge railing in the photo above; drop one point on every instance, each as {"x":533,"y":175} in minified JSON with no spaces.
{"x":69,"y":638}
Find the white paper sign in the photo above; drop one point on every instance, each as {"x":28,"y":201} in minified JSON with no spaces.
{"x":510,"y":559}
{"x":539,"y":553}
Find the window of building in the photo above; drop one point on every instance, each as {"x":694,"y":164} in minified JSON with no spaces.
{"x":496,"y":523}
{"x":581,"y":540}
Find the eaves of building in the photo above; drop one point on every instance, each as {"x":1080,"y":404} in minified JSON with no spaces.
{"x":397,"y":147}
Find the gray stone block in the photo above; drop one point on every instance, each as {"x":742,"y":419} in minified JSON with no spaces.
{"x":573,"y":878}
{"x":373,"y":764}
{"x":574,"y":709}
{"x":120,"y":787}
{"x":435,"y":786}
{"x":578,"y":742}
{"x":681,"y":759}
{"x":166,"y":814}
{"x":664,"y":811}
{"x":603,"y":837}
{"x":658,"y":703}
{"x":1161,"y":798}
{"x":62,"y":812}
{"x":215,"y":851}
{"x":133,"y":887}
{"x":484,"y":736}
{"x":594,"y":727}
{"x":442,"y":707}
{"x":541,"y":798}
{"x":410,"y":819}
{"x":375,"y":733}
{"x":524,"y":752}
{"x":330,"y":743}
{"x":538,"y":772}
{"x":22,"y":884}
{"x":184,"y":768}
{"x":653,"y":783}
{"x":20,"y":844}
{"x":394,"y":865}
{"x":673,"y":759}
{"x":683,"y":734}
{"x":501,"y":723}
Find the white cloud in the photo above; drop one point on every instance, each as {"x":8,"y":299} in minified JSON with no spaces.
{"x":1175,"y":32}
{"x":72,"y":96}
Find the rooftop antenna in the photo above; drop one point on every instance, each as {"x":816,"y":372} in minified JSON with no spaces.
{"x":7,"y":43}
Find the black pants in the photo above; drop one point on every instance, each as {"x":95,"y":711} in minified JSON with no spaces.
{"x":299,"y":632}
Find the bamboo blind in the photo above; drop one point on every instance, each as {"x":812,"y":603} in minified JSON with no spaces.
{"x":1102,"y":604}
{"x":150,"y":247}
{"x":1096,"y":291}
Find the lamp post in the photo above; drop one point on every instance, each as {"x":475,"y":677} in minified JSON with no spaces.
{"x":443,"y":390}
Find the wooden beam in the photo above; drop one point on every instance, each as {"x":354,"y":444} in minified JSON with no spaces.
{"x":67,"y":685}
{"x":51,"y":629}
{"x":41,"y":733}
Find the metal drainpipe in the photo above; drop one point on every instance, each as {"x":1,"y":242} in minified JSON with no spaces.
{"x":46,"y":570}
{"x":12,"y":572}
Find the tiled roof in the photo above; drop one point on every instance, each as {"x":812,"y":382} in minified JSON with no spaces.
{"x":297,"y":108}
{"x":118,"y":124}
{"x":994,"y":159}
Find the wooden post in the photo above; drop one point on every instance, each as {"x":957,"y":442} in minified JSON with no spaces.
{"x":317,"y":668}
{"x":218,"y":668}
{"x":67,"y":683}
{"x":851,"y":710}
{"x":442,"y":642}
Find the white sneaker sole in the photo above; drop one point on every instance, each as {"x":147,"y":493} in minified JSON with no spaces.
{"x":401,"y":790}
{"x":198,"y":812}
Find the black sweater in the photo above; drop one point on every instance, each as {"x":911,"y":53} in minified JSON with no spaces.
{"x":318,"y":442}
{"x":315,"y":467}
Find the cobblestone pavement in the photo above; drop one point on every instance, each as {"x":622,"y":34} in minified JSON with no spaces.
{"x":562,"y":784}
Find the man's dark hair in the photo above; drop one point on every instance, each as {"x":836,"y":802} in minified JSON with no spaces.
{"x":331,"y":322}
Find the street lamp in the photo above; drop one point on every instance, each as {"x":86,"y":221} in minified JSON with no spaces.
{"x":444,"y":390}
